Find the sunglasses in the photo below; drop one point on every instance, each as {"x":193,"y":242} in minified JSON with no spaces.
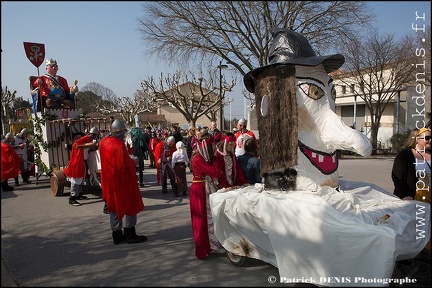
{"x":426,"y":138}
{"x":53,"y":66}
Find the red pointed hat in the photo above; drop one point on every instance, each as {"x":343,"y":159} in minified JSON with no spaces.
{"x":290,"y":47}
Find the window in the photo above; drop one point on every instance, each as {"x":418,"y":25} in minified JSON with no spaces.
{"x":343,"y":89}
{"x":352,"y":88}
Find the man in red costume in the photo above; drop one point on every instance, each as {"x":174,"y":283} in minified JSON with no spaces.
{"x":119,"y":185}
{"x":205,"y":168}
{"x":54,"y":89}
{"x":10,"y":162}
{"x":163,"y":156}
{"x":76,"y":169}
{"x":241,"y":136}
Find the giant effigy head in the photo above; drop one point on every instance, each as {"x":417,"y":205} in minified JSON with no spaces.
{"x":299,"y":132}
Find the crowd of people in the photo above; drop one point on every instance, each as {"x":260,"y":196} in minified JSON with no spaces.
{"x":217,"y":160}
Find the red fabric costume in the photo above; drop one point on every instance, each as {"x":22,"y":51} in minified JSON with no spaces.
{"x":45,"y":88}
{"x":153,"y":143}
{"x":160,"y":148}
{"x":248,"y":132}
{"x":10,"y":162}
{"x":76,"y":165}
{"x":238,"y":178}
{"x":118,"y":177}
{"x":198,"y":202}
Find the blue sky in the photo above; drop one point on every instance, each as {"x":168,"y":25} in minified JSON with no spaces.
{"x":99,"y":42}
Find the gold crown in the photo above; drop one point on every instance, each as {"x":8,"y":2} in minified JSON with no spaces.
{"x":51,"y":62}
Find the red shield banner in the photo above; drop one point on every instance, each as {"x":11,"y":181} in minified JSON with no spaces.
{"x":35,"y":52}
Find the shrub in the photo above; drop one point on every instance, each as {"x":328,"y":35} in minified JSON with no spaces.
{"x":398,"y":141}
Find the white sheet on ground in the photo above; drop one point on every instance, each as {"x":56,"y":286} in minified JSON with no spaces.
{"x":328,"y":233}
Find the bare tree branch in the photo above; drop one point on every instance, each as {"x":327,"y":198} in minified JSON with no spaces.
{"x":239,"y":31}
{"x":193,"y":97}
{"x":379,"y":67}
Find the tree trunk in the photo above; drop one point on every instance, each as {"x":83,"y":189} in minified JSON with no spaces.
{"x":374,"y":136}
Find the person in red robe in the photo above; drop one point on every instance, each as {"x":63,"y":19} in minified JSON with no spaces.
{"x":10,"y":162}
{"x":163,"y":156}
{"x":233,"y":177}
{"x":119,"y":185}
{"x":76,"y":169}
{"x":205,"y":168}
{"x":54,"y":89}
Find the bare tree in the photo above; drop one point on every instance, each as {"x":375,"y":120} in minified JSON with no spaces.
{"x":239,"y":31}
{"x":7,"y":111}
{"x":128,"y":107}
{"x":378,"y":68}
{"x":105,"y":101}
{"x":86,"y":99}
{"x":193,"y":97}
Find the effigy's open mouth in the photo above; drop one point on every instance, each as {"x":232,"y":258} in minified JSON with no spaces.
{"x":325,"y":162}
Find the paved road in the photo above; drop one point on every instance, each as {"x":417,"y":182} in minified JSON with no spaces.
{"x":47,"y":242}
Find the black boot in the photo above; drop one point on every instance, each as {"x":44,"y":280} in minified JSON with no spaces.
{"x":26,"y":177}
{"x":105,"y":209}
{"x":141,"y":179}
{"x":16,"y":181}
{"x":164,"y":186}
{"x":5,"y":186}
{"x":117,"y":236}
{"x":174,"y":187}
{"x":131,"y":237}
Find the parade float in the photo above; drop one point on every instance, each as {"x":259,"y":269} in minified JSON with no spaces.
{"x":304,"y":220}
{"x":54,"y":127}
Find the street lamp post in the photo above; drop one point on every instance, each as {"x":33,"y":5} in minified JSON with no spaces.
{"x":221,"y":103}
{"x":230,"y":100}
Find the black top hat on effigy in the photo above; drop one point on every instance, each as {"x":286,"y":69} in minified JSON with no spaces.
{"x":290,"y":47}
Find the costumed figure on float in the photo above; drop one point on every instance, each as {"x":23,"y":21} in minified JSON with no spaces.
{"x":302,"y":218}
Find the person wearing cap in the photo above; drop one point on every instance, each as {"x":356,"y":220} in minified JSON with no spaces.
{"x":163,"y":157}
{"x":411,"y":169}
{"x":21,"y":145}
{"x":205,"y":167}
{"x":10,"y":162}
{"x":233,"y":176}
{"x":241,"y":135}
{"x":120,"y":189}
{"x":54,"y":89}
{"x":76,"y":168}
{"x":179,"y":162}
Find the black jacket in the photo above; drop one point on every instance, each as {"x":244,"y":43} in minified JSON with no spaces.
{"x":404,"y":174}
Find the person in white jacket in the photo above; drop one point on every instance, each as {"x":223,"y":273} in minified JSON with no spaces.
{"x":180,"y":161}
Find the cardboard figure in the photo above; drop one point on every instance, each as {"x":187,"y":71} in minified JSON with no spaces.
{"x":294,"y":93}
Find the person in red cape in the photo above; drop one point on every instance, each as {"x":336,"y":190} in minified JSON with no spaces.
{"x":10,"y":162}
{"x":163,"y":156}
{"x":233,"y":176}
{"x":119,"y":185}
{"x":205,"y":168}
{"x":54,"y":89}
{"x":76,"y":169}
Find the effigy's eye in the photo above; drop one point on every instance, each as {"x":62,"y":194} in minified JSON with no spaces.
{"x":312,"y":90}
